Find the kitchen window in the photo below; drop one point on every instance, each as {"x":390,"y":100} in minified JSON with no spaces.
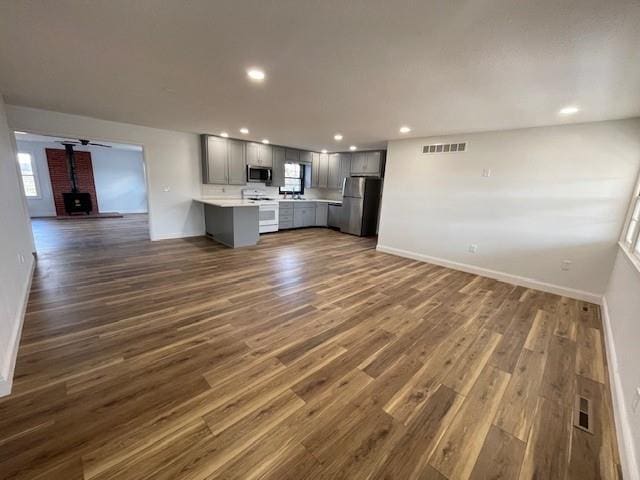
{"x":293,"y":178}
{"x":632,"y":233}
{"x":28,"y":172}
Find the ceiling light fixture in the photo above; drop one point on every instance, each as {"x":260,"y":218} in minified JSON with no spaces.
{"x":353,"y":147}
{"x":244,"y":130}
{"x":405,"y":129}
{"x":570,"y":110}
{"x":324,"y":150}
{"x":224,"y":134}
{"x":256,"y":74}
{"x":337,"y":136}
{"x":265,"y":141}
{"x":20,"y":133}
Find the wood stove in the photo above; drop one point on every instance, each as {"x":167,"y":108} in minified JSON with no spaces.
{"x":75,"y":201}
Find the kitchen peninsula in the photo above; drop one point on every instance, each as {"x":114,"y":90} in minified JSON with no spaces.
{"x":232,"y":222}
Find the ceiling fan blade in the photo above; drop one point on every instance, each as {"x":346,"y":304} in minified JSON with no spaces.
{"x":100,"y":145}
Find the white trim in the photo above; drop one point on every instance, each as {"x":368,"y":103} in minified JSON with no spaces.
{"x":633,"y":259}
{"x":9,"y":362}
{"x":171,"y":236}
{"x":502,"y":276}
{"x":623,"y":430}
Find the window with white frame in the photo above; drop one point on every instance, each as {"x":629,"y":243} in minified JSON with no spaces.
{"x":632,"y":233}
{"x":28,"y":171}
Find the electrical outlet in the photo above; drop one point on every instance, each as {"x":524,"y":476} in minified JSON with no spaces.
{"x":486,"y":172}
{"x":566,"y":265}
{"x":21,"y":258}
{"x":473,"y":248}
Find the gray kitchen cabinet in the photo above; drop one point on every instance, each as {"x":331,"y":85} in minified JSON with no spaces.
{"x":367,"y":163}
{"x":374,"y":163}
{"x":322,"y":210}
{"x":304,"y":214}
{"x":345,"y":168}
{"x":333,"y":181}
{"x":277,"y":172}
{"x":259,"y":154}
{"x":253,"y":153}
{"x":306,"y":157}
{"x":292,"y":155}
{"x":358,"y":163}
{"x":323,"y":170}
{"x":223,"y":161}
{"x":214,"y":159}
{"x":315,"y":169}
{"x":236,"y":163}
{"x":285,"y":215}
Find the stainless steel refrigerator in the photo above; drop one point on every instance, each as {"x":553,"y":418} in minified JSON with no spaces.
{"x":360,"y":205}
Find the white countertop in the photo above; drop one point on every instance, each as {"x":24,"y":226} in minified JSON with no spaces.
{"x":226,"y":202}
{"x":238,"y":202}
{"x":319,"y":200}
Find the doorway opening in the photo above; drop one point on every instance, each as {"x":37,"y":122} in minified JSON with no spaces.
{"x":81,"y":192}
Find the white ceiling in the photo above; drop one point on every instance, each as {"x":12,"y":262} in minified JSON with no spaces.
{"x":32,"y":137}
{"x":360,"y":67}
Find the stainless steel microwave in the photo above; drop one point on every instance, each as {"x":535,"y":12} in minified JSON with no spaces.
{"x":259,"y":174}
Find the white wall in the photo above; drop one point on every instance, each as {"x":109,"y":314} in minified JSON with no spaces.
{"x":118,"y":176}
{"x":119,"y":179}
{"x":622,"y":322}
{"x":172,"y":162}
{"x":16,"y":259}
{"x":554,"y":193}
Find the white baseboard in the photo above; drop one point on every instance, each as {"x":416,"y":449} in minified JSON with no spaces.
{"x":502,"y":276}
{"x":6,"y":375}
{"x":171,"y":236}
{"x":623,"y":431}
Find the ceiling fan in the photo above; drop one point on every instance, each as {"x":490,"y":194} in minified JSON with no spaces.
{"x":83,"y":142}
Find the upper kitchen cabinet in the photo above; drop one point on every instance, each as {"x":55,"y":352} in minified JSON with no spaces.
{"x":259,"y":154}
{"x":333,"y":181}
{"x":292,"y":155}
{"x":315,"y":169}
{"x":345,"y":168}
{"x":367,"y":163}
{"x":323,"y":170}
{"x":306,"y":157}
{"x":236,"y":163}
{"x":223,"y":161}
{"x":279,"y":159}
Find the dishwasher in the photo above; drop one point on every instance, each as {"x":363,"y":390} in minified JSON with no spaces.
{"x":334,"y":218}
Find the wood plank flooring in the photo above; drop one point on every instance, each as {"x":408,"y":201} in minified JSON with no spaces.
{"x":309,"y":356}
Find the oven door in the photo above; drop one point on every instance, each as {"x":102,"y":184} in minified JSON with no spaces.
{"x":268,"y":218}
{"x":259,"y":174}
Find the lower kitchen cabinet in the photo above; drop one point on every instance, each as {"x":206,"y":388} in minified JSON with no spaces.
{"x":304,"y":214}
{"x":322,"y":210}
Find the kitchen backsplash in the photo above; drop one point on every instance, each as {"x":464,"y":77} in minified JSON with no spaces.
{"x":234,"y":191}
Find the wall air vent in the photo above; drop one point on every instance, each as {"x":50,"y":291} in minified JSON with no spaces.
{"x":437,"y":148}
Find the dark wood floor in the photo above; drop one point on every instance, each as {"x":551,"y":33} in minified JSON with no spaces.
{"x":309,"y":356}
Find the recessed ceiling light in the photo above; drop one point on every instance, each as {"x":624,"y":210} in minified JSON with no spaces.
{"x":224,"y":134}
{"x":20,"y":133}
{"x":324,"y":150}
{"x":338,"y":136}
{"x":256,"y":74}
{"x":244,"y":130}
{"x":353,"y":147}
{"x":570,"y":110}
{"x":405,"y":129}
{"x":265,"y":141}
